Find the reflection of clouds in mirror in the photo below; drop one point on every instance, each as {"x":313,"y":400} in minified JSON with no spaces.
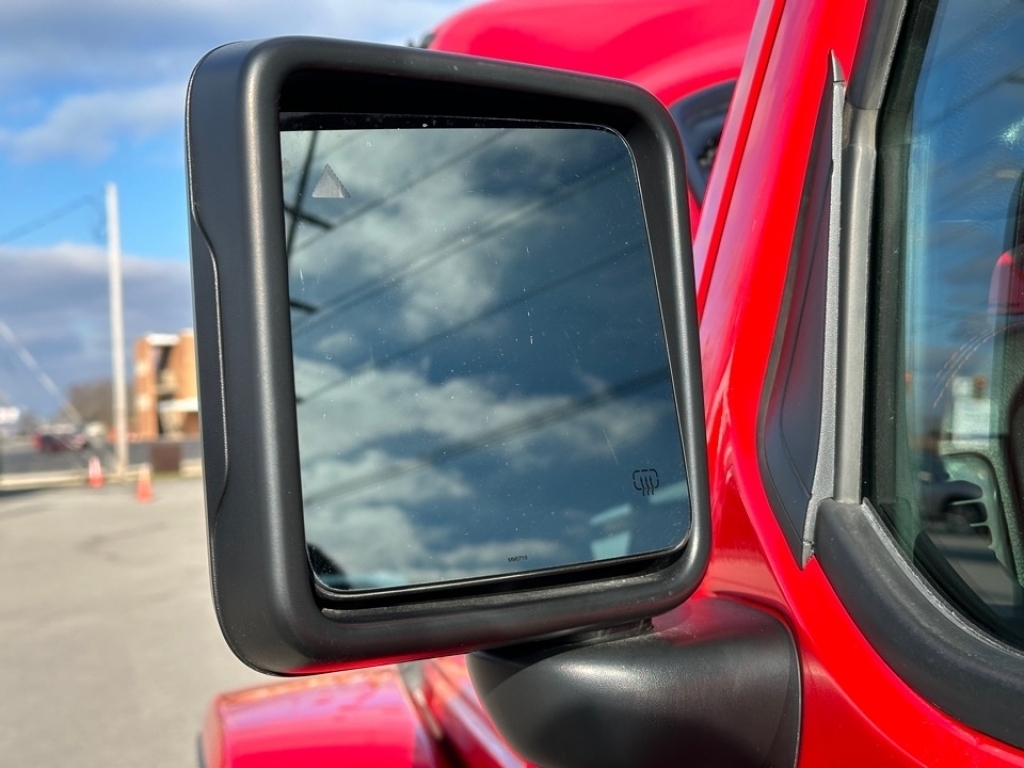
{"x":345,"y":481}
{"x":384,"y":542}
{"x":427,"y":484}
{"x":376,"y":540}
{"x":472,"y":560}
{"x":313,"y":373}
{"x":377,"y":545}
{"x":390,"y":220}
{"x":396,"y":402}
{"x":341,"y":342}
{"x":554,"y":300}
{"x":479,"y":359}
{"x":452,"y":283}
{"x":441,"y":238}
{"x":401,"y":402}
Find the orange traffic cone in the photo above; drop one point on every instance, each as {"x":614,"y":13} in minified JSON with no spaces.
{"x":144,"y":486}
{"x":95,"y":472}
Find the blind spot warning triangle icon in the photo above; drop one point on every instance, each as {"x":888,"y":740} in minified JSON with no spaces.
{"x":329,"y":185}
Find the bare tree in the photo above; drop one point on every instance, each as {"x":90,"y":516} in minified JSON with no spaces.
{"x":28,"y":423}
{"x":94,"y":400}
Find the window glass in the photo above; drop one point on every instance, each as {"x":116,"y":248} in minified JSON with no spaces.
{"x":948,"y":416}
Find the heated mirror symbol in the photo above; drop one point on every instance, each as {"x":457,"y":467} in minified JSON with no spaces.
{"x":646,"y":481}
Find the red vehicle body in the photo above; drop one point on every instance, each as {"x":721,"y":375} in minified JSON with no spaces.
{"x":674,"y":50}
{"x":857,"y":707}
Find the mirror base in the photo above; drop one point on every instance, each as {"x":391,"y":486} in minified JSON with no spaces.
{"x":720,"y":686}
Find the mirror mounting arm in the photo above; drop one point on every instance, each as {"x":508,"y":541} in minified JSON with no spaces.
{"x":719,"y":687}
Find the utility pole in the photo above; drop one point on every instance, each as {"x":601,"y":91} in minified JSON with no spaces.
{"x":117,"y":332}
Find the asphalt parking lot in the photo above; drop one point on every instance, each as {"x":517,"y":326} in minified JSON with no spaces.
{"x":109,"y":647}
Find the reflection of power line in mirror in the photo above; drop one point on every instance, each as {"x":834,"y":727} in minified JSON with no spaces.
{"x":297,"y":213}
{"x":491,"y":437}
{"x":387,"y":197}
{"x":377,"y":364}
{"x":329,"y":186}
{"x":458,"y":243}
{"x":302,"y":306}
{"x":307,"y":217}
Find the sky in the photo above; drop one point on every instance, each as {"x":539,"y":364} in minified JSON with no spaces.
{"x":93,"y":92}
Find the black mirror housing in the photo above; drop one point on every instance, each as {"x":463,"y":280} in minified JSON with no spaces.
{"x":273,"y":613}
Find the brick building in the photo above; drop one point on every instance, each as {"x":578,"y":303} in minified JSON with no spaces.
{"x":166,"y":396}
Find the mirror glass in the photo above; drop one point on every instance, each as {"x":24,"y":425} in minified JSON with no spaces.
{"x":481,"y":378}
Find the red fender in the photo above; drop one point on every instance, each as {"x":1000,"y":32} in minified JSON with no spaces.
{"x":357,"y":718}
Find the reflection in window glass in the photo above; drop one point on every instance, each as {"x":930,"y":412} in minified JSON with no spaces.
{"x":480,"y":370}
{"x":953,"y":155}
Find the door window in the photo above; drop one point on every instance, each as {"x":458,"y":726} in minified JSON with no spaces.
{"x":946,"y":462}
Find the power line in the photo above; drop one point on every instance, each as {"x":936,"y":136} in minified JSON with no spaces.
{"x":46,"y":220}
{"x":41,"y":376}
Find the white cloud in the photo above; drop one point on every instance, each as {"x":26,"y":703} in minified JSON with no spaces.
{"x":105,"y":70}
{"x":114,"y":19}
{"x":124,"y":32}
{"x":56,"y":301}
{"x":88,"y":126}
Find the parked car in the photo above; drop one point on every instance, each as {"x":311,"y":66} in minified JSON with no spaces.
{"x":854,"y":277}
{"x":59,"y":439}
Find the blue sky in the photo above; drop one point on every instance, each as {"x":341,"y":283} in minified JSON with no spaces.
{"x":93,"y":92}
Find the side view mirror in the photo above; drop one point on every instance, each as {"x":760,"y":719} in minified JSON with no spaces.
{"x":448,"y":352}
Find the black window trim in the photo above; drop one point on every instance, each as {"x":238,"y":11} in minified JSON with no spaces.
{"x":799,"y":477}
{"x":927,"y":642}
{"x":948,"y":661}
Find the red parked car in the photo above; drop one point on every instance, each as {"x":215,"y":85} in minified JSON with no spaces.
{"x":55,"y":441}
{"x":846,"y":585}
